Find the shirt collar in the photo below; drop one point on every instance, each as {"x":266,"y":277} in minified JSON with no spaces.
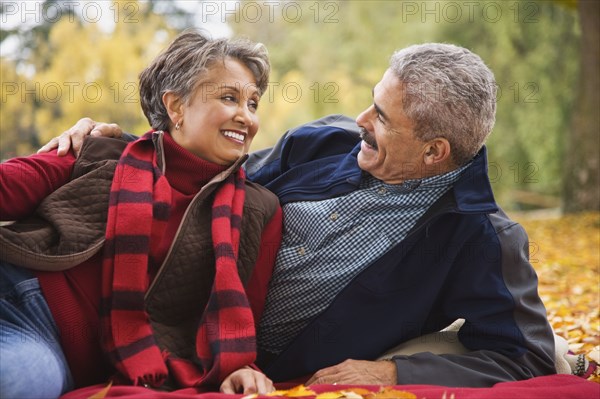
{"x":432,"y":182}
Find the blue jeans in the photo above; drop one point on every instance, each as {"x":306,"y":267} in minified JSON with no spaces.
{"x":32,"y":363}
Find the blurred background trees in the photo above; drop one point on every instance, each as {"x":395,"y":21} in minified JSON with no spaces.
{"x":582,"y":161}
{"x":326,"y":56}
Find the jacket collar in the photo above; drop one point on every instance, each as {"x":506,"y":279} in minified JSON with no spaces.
{"x":473,"y":190}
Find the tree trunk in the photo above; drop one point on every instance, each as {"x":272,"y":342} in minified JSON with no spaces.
{"x":582,"y":182}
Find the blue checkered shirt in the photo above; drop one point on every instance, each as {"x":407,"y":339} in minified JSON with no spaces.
{"x":327,"y":243}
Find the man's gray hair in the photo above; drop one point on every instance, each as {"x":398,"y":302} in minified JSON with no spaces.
{"x":448,"y":92}
{"x":180,"y":68}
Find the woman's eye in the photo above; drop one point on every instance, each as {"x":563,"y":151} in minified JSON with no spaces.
{"x":253,"y":105}
{"x":229,"y":98}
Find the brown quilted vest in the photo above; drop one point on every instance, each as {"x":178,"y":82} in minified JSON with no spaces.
{"x":69,"y":227}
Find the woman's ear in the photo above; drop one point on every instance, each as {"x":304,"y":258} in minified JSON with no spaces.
{"x":174,"y":106}
{"x":437,"y":151}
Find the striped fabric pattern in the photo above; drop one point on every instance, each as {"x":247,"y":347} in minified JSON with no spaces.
{"x":138,"y":210}
{"x":227,"y":323}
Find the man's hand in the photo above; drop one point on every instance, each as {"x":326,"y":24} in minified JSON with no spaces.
{"x":247,"y":381}
{"x":73,"y":138}
{"x":361,"y":372}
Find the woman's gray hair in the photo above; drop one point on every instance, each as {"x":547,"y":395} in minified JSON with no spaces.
{"x":180,"y":67}
{"x":448,"y":92}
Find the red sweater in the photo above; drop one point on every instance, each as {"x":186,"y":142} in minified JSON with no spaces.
{"x":74,"y":295}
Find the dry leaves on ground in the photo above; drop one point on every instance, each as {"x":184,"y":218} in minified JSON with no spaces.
{"x":565,"y":252}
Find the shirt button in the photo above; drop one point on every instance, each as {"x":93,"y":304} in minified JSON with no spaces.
{"x":382,"y":190}
{"x":301,"y":251}
{"x":334,"y":216}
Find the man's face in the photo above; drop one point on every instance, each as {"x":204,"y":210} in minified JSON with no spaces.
{"x":389,"y":150}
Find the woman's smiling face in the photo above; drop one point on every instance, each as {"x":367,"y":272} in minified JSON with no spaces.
{"x":219,"y":121}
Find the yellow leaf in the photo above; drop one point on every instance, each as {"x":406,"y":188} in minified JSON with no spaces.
{"x":331,"y":395}
{"x":352,"y":395}
{"x":296,"y":392}
{"x":357,"y":391}
{"x":390,"y":393}
{"x":300,"y":391}
{"x":360,"y":391}
{"x":102,"y":393}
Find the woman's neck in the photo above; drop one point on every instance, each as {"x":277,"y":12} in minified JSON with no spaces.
{"x":186,"y":172}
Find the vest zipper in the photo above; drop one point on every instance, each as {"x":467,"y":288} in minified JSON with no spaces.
{"x":200,"y":196}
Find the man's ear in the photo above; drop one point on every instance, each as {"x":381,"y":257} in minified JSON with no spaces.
{"x":437,"y":151}
{"x":174,"y":106}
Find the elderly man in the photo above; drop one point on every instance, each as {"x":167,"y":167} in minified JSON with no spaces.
{"x":391,"y":232}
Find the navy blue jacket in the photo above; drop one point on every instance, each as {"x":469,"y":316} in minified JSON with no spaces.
{"x":463,"y":259}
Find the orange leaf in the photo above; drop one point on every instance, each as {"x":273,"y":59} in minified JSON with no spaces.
{"x":102,"y":393}
{"x":331,"y":395}
{"x":296,"y":392}
{"x":359,"y":391}
{"x":390,"y":393}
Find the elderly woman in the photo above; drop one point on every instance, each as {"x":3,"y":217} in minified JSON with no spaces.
{"x":152,"y":265}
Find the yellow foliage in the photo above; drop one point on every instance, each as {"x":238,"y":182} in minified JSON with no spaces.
{"x":95,"y":75}
{"x":565,"y":253}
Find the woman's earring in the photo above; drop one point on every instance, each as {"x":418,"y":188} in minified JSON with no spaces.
{"x":177,"y":125}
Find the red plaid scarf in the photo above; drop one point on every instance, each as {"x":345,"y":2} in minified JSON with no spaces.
{"x":138,"y":210}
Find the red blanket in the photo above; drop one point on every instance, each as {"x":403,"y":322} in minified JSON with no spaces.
{"x":554,"y":386}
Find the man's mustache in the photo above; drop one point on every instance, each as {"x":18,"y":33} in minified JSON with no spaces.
{"x":367,"y":138}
